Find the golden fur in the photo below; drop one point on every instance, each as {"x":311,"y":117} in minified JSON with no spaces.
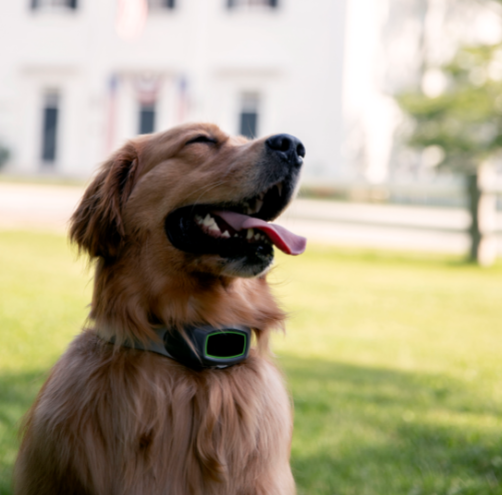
{"x":111,"y":420}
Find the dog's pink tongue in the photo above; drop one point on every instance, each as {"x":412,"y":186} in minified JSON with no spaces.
{"x":285,"y":240}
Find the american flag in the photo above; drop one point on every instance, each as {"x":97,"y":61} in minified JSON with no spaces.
{"x":131,"y":18}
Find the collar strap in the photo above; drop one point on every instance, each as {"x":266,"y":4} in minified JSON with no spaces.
{"x":210,"y":347}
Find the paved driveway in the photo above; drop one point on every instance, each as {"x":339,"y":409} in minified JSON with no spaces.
{"x":44,"y":207}
{"x":36,"y":206}
{"x":383,"y":226}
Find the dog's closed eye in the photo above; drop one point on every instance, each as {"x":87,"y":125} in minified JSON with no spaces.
{"x":202,"y":139}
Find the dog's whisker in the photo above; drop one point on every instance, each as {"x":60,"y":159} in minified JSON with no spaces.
{"x":205,"y":189}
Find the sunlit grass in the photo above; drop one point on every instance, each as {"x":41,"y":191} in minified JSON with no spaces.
{"x":43,"y":296}
{"x":394,"y":366}
{"x":393,"y":363}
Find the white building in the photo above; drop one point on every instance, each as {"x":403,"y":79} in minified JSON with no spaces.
{"x":78,"y":77}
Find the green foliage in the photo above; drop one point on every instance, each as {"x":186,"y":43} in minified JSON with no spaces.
{"x":393,"y":363}
{"x":465,"y":121}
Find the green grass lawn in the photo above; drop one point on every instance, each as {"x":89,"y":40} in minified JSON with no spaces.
{"x":394,"y":363}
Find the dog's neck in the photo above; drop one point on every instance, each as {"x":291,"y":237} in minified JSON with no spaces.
{"x":129,"y":307}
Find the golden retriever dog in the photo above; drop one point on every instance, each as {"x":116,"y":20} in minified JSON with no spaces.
{"x":178,"y":224}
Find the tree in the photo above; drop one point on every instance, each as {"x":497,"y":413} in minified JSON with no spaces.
{"x":463,"y":122}
{"x":4,"y":155}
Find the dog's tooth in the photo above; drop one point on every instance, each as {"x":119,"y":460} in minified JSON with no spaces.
{"x":198,"y":219}
{"x":279,"y":188}
{"x":257,"y":237}
{"x":250,"y":234}
{"x":214,"y":227}
{"x":225,"y":234}
{"x":236,"y":235}
{"x":210,"y":222}
{"x":258,"y":205}
{"x":207,"y":220}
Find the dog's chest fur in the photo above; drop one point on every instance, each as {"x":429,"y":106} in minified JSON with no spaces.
{"x":151,"y":427}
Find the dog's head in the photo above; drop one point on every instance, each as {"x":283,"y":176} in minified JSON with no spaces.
{"x":192,"y":199}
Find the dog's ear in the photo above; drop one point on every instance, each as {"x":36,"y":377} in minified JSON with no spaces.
{"x":96,"y":226}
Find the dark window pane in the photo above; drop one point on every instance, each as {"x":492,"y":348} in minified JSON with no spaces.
{"x":251,"y":3}
{"x":146,"y":119}
{"x":49,"y":130}
{"x":41,"y":4}
{"x":249,"y":123}
{"x":161,"y":4}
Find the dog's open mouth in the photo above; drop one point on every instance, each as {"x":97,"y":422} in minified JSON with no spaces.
{"x":236,"y":230}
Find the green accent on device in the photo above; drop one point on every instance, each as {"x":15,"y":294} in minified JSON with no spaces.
{"x":226,"y":344}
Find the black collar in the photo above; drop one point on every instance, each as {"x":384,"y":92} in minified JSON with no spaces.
{"x":202,"y":346}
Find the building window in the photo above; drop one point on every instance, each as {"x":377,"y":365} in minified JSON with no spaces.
{"x":248,"y":119}
{"x":50,"y":122}
{"x":252,"y":3}
{"x":146,"y":118}
{"x":54,"y":4}
{"x":161,"y":4}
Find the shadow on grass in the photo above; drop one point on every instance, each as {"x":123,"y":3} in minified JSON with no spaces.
{"x":365,"y":431}
{"x":17,"y":393}
{"x":358,"y":431}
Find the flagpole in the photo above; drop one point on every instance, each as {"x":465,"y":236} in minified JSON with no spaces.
{"x":112,"y":110}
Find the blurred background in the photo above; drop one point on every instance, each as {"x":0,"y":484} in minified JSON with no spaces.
{"x":393,"y":348}
{"x":396,"y":102}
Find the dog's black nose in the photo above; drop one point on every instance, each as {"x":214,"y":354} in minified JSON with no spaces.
{"x":287,"y":147}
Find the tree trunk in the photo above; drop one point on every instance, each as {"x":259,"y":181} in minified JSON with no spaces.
{"x":482,"y":208}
